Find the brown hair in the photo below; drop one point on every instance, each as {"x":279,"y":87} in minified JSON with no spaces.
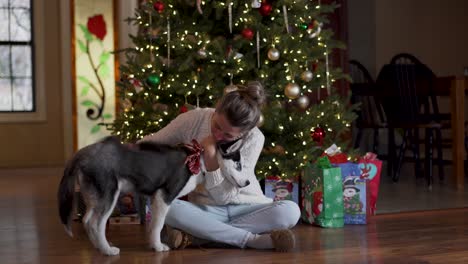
{"x":242,"y":106}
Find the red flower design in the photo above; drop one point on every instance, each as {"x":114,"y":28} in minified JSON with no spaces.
{"x":97,"y":26}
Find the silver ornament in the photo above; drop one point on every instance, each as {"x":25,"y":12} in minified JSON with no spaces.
{"x":292,"y":90}
{"x":202,"y":53}
{"x":273,"y":54}
{"x":303,"y":102}
{"x":307,"y":76}
{"x":256,"y":4}
{"x":238,"y":56}
{"x":317,"y":31}
{"x":261,"y":121}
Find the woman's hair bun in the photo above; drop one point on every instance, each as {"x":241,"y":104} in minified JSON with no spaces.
{"x":254,"y":91}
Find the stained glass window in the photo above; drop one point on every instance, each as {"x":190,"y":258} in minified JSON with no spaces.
{"x":16,"y":56}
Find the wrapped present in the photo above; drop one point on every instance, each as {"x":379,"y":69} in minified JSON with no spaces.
{"x":371,"y":169}
{"x":127,"y":210}
{"x":322,"y":194}
{"x":334,"y":155}
{"x":281,"y":189}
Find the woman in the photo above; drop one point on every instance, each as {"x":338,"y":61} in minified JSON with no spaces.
{"x":229,"y":207}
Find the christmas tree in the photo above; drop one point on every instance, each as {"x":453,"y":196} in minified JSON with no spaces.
{"x":188,"y":53}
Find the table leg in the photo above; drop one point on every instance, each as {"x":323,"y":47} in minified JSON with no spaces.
{"x":457,"y":94}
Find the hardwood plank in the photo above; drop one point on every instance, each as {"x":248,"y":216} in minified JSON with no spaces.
{"x":30,"y":232}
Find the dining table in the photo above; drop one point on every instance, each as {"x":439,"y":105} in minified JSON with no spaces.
{"x":456,"y":88}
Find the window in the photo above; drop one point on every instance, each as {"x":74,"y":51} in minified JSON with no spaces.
{"x":22,"y":49}
{"x":16,"y":57}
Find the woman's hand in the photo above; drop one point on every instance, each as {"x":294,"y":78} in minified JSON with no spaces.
{"x":209,"y":154}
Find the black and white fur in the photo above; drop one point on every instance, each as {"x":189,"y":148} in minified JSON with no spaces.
{"x":106,"y":168}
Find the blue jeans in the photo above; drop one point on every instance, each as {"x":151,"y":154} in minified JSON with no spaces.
{"x":231,"y":224}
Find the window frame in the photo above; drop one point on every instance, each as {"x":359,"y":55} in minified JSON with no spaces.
{"x":38,"y":114}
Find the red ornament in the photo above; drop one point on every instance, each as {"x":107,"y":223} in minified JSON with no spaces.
{"x":318,"y":135}
{"x":158,"y":6}
{"x":312,"y":24}
{"x":265,"y":9}
{"x":248,"y":33}
{"x":97,"y":26}
{"x":183,"y":109}
{"x":314,"y":66}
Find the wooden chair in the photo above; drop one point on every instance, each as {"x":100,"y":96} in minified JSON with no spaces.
{"x":410,"y":105}
{"x":370,"y":114}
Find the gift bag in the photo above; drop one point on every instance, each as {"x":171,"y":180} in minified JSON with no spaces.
{"x":355,"y":195}
{"x":322,"y":194}
{"x":371,"y":169}
{"x":281,"y":189}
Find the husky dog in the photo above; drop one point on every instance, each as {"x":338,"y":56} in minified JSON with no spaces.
{"x":106,"y":168}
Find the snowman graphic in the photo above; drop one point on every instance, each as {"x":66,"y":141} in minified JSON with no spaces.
{"x":283,"y":190}
{"x":351,"y":198}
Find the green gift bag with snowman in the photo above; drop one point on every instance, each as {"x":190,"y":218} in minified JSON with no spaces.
{"x":322,"y":194}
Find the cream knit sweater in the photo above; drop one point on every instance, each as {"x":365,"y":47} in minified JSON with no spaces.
{"x":218,"y":187}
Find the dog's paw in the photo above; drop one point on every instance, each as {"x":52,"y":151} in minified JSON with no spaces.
{"x":111,"y":251}
{"x":161,"y":247}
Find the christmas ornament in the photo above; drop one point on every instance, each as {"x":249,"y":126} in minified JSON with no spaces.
{"x":312,"y":25}
{"x":265,"y":8}
{"x":314,"y":66}
{"x":183,"y":109}
{"x":307,"y":76}
{"x":261,"y":121}
{"x":318,"y":134}
{"x":256,"y":4}
{"x":273,"y":54}
{"x":126,"y":104}
{"x":292,"y":90}
{"x":304,"y":26}
{"x":158,"y":6}
{"x":202,"y":53}
{"x":238,"y":56}
{"x":315,"y":29}
{"x":153,"y":80}
{"x":186,"y":107}
{"x":247,"y":33}
{"x":303,"y":102}
{"x":136,"y":85}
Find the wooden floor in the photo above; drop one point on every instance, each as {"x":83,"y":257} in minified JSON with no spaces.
{"x":30,"y":232}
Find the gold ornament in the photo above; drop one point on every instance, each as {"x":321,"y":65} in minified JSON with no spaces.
{"x":261,"y":121}
{"x":292,"y":90}
{"x":307,"y":76}
{"x":303,"y":102}
{"x":126,"y":104}
{"x":273,"y":54}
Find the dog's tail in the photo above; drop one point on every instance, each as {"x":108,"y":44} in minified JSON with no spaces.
{"x":65,"y":196}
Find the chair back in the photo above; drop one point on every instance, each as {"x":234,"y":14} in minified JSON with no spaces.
{"x":407,"y":96}
{"x":370,"y":112}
